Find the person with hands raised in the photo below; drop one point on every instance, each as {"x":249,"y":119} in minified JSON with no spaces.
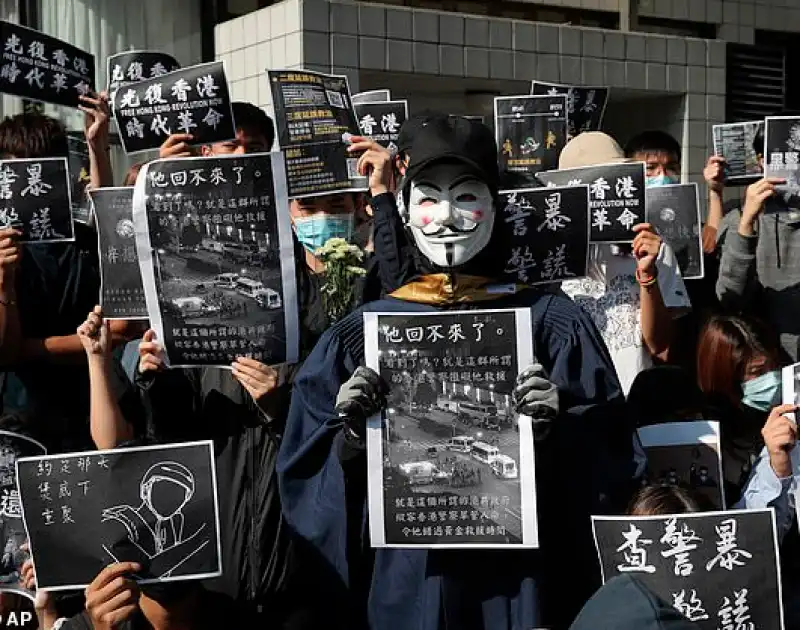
{"x":112,"y":599}
{"x":96,"y":130}
{"x":9,"y":320}
{"x":780,"y":438}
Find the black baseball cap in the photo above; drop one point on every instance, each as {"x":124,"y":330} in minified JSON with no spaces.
{"x":412,"y":127}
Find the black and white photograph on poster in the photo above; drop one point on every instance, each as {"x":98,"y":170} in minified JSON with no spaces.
{"x":782,"y":155}
{"x":617,"y":197}
{"x":313,"y":111}
{"x":154,"y":505}
{"x":685,"y":454}
{"x":373,"y":96}
{"x":121,"y":289}
{"x":382,"y":121}
{"x":674,"y":211}
{"x":545,"y":232}
{"x":79,"y":178}
{"x":450,"y":465}
{"x":42,"y":68}
{"x":718,"y":569}
{"x":530,"y":132}
{"x":736,"y":143}
{"x":35,"y":199}
{"x":193,"y":100}
{"x":586,"y":106}
{"x":132,"y":66}
{"x":12,"y":529}
{"x":215,"y":250}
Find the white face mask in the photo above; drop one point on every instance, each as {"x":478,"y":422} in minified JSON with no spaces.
{"x":450,"y":214}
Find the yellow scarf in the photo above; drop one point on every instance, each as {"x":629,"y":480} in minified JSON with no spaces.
{"x":446,"y":289}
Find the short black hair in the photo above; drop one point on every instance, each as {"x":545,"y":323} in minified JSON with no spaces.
{"x":653,"y":141}
{"x":254,"y":120}
{"x":33,"y":135}
{"x":758,"y":141}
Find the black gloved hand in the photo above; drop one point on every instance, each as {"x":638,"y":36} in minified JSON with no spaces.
{"x":535,"y":396}
{"x":361,"y":397}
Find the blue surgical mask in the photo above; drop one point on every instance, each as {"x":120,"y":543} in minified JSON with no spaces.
{"x":764,"y":392}
{"x":316,"y":230}
{"x":660,"y":180}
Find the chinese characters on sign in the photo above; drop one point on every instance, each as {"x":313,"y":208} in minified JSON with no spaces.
{"x":735,"y":142}
{"x":447,"y":466}
{"x":585,"y":105}
{"x":382,"y":121}
{"x":192,"y":100}
{"x":715,"y":568}
{"x":675,"y":212}
{"x":43,"y":68}
{"x":35,"y":199}
{"x":782,"y":155}
{"x":130,"y":67}
{"x":546,"y":234}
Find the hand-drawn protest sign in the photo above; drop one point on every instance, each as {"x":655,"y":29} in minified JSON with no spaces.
{"x":12,"y":447}
{"x":451,"y":464}
{"x":42,"y":68}
{"x":312,"y":112}
{"x":121,"y":289}
{"x":35,"y":199}
{"x":132,"y":66}
{"x":735,"y":142}
{"x":193,"y":100}
{"x":530,"y":132}
{"x":374,"y":96}
{"x":382,"y":121}
{"x":782,"y":155}
{"x":586,"y":106}
{"x":155,"y":505}
{"x":79,"y":178}
{"x":215,"y":249}
{"x":687,"y":454}
{"x":617,"y":197}
{"x":718,"y":569}
{"x":545,"y":233}
{"x":675,"y":212}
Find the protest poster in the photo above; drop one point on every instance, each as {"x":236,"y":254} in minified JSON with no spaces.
{"x":545,"y":232}
{"x":312,"y":113}
{"x":193,"y":100}
{"x":373,"y":96}
{"x":132,"y":66}
{"x":42,"y":68}
{"x":687,"y":454}
{"x":735,"y":142}
{"x":35,"y":199}
{"x":79,"y":178}
{"x":450,"y":465}
{"x":214,"y":243}
{"x":586,"y":106}
{"x":12,"y":529}
{"x":718,"y":569}
{"x":782,"y":155}
{"x":382,"y":121}
{"x":616,"y":193}
{"x":674,"y":211}
{"x":530,"y":132}
{"x":121,"y":289}
{"x":154,"y":505}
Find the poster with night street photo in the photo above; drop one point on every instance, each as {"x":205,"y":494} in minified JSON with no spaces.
{"x":617,"y":197}
{"x":382,"y":121}
{"x":121,"y":289}
{"x":132,"y":66}
{"x":214,"y":245}
{"x":12,"y":529}
{"x":450,"y":464}
{"x":79,"y":177}
{"x":782,"y":155}
{"x":312,"y":113}
{"x":734,"y":142}
{"x":154,"y":505}
{"x":373,"y":96}
{"x":718,"y":569}
{"x":193,"y":100}
{"x":586,"y":106}
{"x":35,"y":199}
{"x":545,"y":233}
{"x":674,"y":211}
{"x":42,"y":68}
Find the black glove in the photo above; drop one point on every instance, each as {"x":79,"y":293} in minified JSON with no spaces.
{"x":361,"y":397}
{"x":535,"y":396}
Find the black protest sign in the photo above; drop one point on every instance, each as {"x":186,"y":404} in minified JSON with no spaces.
{"x":121,"y":292}
{"x":617,"y":197}
{"x":154,"y":505}
{"x":586,"y":106}
{"x":782,"y":155}
{"x":219,"y":278}
{"x":12,"y":529}
{"x":718,"y":569}
{"x":373,"y":96}
{"x":450,"y":465}
{"x":79,"y":177}
{"x":382,"y":121}
{"x":312,"y":113}
{"x":675,"y":213}
{"x":192,"y":100}
{"x":35,"y":199}
{"x":735,"y":142}
{"x":133,"y":66}
{"x":530,"y":132}
{"x":42,"y":68}
{"x":545,"y":233}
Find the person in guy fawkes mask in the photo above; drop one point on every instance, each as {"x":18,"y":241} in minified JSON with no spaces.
{"x":450,"y":191}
